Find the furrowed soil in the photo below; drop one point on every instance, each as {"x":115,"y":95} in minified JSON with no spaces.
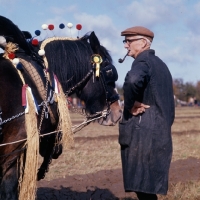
{"x":92,"y":169}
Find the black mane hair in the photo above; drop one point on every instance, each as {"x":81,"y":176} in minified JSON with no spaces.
{"x":70,"y":60}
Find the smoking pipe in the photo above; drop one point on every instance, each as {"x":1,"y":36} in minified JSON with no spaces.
{"x":122,"y":60}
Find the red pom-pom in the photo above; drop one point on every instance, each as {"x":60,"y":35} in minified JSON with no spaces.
{"x":79,"y":26}
{"x":51,"y":27}
{"x":11,"y":55}
{"x":35,"y":42}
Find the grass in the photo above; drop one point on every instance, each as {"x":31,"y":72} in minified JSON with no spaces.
{"x":94,"y":151}
{"x":183,"y":191}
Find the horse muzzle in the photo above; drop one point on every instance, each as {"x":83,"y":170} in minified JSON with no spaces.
{"x":113,"y":117}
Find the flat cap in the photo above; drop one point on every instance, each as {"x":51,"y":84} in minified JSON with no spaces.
{"x":138,"y":30}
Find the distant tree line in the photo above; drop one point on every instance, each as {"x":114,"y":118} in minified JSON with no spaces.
{"x":185,"y":90}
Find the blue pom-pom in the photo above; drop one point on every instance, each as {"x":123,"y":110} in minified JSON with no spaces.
{"x":61,"y":26}
{"x":19,"y":66}
{"x":37,"y":32}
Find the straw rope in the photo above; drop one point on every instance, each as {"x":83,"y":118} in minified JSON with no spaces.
{"x":65,"y":123}
{"x":29,"y":160}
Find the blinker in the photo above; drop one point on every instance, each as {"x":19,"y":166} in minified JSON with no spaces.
{"x":110,"y":73}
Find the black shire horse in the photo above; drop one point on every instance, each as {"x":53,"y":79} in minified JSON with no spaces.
{"x":15,"y":127}
{"x":74,"y":71}
{"x":18,"y":159}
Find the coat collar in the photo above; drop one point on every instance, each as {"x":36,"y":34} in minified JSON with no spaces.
{"x":145,"y":55}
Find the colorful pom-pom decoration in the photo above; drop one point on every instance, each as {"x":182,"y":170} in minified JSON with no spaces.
{"x":69,"y":25}
{"x":35,"y":42}
{"x":41,"y":52}
{"x":11,"y":55}
{"x":51,"y":27}
{"x":61,"y":26}
{"x":19,"y":66}
{"x":44,"y":26}
{"x":3,"y":41}
{"x":78,"y":26}
{"x":15,"y":61}
{"x":37,"y":32}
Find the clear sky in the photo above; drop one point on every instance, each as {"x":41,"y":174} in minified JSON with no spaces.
{"x":175,"y":23}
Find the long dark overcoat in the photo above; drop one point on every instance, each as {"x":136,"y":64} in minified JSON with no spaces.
{"x":145,"y":139}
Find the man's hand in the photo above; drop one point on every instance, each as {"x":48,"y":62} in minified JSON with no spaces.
{"x":138,"y":108}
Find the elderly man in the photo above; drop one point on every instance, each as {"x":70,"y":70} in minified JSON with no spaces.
{"x":145,"y":130}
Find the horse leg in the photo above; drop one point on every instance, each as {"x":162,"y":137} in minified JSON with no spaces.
{"x":47,"y":158}
{"x":57,"y":151}
{"x":9,"y":182}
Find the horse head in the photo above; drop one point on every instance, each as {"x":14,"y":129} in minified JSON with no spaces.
{"x":71,"y":61}
{"x":102,"y":88}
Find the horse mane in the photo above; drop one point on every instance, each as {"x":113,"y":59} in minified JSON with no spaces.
{"x":70,"y":60}
{"x":13,"y":34}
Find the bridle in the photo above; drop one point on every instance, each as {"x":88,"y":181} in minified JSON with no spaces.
{"x":109,"y":99}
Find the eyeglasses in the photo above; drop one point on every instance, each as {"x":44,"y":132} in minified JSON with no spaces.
{"x":129,"y":41}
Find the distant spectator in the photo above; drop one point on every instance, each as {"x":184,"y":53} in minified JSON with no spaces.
{"x":79,"y":103}
{"x":175,"y":100}
{"x":74,"y":102}
{"x":195,"y":101}
{"x":82,"y":104}
{"x":69,"y":102}
{"x":191,"y":101}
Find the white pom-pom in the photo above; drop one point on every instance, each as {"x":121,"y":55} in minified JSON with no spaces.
{"x":41,"y":52}
{"x":15,"y":61}
{"x":44,"y":26}
{"x":69,"y":25}
{"x":2,"y":41}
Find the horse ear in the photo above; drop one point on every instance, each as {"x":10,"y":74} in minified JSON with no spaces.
{"x":94,"y":43}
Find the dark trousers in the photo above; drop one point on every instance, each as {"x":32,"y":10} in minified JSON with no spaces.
{"x":146,"y":196}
